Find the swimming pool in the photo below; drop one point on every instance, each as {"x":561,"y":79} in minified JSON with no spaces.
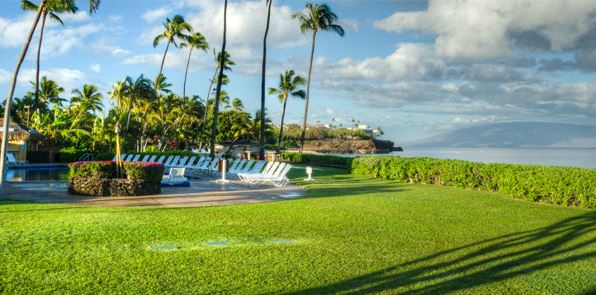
{"x":37,"y":173}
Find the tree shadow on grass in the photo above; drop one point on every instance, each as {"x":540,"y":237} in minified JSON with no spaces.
{"x":489,"y":261}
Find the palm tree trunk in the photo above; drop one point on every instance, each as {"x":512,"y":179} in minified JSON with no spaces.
{"x":281,"y":126}
{"x":211,"y":83}
{"x":186,"y":72}
{"x":218,"y":88}
{"x":127,"y":124}
{"x":312,"y":53}
{"x":43,"y":25}
{"x":163,"y":59}
{"x":13,"y":85}
{"x":264,"y":67}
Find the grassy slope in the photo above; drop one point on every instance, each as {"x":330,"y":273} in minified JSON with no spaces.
{"x":351,"y":234}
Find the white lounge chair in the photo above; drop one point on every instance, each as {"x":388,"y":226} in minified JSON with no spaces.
{"x":176,"y":175}
{"x":168,"y":161}
{"x":190,"y":162}
{"x":12,"y":161}
{"x":277,"y":178}
{"x":250,"y":177}
{"x":180,"y":163}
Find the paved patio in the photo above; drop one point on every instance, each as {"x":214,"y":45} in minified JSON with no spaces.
{"x":202,"y":192}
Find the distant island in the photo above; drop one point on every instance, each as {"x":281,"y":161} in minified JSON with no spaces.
{"x":515,"y":135}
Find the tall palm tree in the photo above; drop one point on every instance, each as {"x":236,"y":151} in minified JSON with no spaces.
{"x":227,"y":62}
{"x":174,"y":28}
{"x":194,"y":41}
{"x":93,"y":5}
{"x":89,"y":99}
{"x":262,"y":130}
{"x":218,"y":87}
{"x":51,"y":8}
{"x":316,"y":17}
{"x":288,"y":86}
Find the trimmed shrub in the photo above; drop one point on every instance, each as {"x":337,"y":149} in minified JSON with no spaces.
{"x":98,"y":178}
{"x":317,"y":159}
{"x":144,"y":171}
{"x":565,"y":186}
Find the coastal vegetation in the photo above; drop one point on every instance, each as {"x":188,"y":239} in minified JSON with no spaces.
{"x":350,"y":234}
{"x":566,"y":186}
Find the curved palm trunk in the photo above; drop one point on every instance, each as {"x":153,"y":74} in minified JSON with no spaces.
{"x":312,"y":53}
{"x":211,"y":83}
{"x":281,"y":126}
{"x":43,"y":25}
{"x":186,"y":72}
{"x":163,"y":59}
{"x":13,"y":84}
{"x":218,"y":88}
{"x":264,"y":67}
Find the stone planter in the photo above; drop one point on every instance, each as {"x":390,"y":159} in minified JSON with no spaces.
{"x":111,"y":187}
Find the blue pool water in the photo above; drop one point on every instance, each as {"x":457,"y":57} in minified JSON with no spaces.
{"x":42,"y":173}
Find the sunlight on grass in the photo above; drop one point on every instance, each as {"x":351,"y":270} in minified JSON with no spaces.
{"x":350,"y":234}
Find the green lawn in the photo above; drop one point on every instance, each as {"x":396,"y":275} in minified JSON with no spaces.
{"x":350,"y":235}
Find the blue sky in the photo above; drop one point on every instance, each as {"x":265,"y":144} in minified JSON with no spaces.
{"x":414,"y":68}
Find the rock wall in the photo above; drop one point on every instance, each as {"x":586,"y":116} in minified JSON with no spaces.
{"x":111,"y":187}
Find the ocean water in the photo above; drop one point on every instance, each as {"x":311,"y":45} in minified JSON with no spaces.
{"x":585,"y":158}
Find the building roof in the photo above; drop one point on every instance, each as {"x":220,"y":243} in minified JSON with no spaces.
{"x":18,"y":132}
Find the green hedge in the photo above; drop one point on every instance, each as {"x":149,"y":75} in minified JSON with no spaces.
{"x":566,"y":186}
{"x":152,"y":172}
{"x":317,"y":159}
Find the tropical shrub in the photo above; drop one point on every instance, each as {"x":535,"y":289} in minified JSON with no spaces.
{"x":566,"y":186}
{"x":316,"y":159}
{"x":107,"y":170}
{"x":144,"y":171}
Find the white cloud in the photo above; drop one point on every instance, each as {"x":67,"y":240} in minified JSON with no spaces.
{"x":153,"y":15}
{"x":473,"y":29}
{"x":67,"y":78}
{"x":12,"y":31}
{"x":95,"y":67}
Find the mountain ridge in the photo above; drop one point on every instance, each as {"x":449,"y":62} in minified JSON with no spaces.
{"x":516,"y":135}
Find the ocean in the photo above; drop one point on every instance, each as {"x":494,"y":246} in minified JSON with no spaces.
{"x":585,"y":158}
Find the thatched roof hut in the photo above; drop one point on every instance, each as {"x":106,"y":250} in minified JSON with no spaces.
{"x":18,"y":132}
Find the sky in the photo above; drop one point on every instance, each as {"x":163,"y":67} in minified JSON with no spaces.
{"x":416,"y":69}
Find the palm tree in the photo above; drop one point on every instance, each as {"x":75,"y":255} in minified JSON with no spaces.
{"x":262,"y":131}
{"x":288,"y":86}
{"x":89,"y":99}
{"x":161,"y":85}
{"x":51,"y":8}
{"x":173,"y":29}
{"x":134,"y":92}
{"x":93,"y":5}
{"x":228,"y":63}
{"x":194,"y":41}
{"x":49,"y":92}
{"x":218,"y":87}
{"x":317,"y":17}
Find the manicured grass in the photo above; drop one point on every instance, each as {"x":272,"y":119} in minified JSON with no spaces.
{"x":350,"y":235}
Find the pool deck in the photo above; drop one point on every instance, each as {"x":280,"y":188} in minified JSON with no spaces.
{"x":202,"y":192}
